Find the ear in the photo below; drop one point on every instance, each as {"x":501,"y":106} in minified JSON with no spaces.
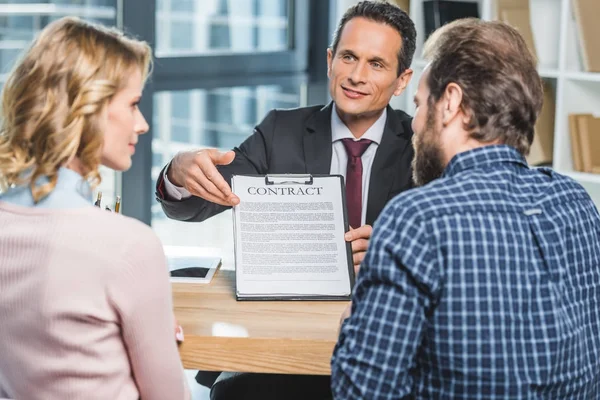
{"x":403,"y":81}
{"x":329,"y":60}
{"x":451,"y":106}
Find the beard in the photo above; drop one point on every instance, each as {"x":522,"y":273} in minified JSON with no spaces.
{"x":427,"y":164}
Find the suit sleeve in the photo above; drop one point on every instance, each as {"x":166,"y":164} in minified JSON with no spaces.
{"x":251,"y":158}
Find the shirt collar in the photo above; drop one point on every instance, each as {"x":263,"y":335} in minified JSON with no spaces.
{"x":340,"y":131}
{"x":70,"y":180}
{"x":486,"y":155}
{"x":70,"y":190}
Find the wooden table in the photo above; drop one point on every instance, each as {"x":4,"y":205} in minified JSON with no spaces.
{"x":222,"y":334}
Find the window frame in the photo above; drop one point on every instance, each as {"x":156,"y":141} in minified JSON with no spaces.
{"x":200,"y":67}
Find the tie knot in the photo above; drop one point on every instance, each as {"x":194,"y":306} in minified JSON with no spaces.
{"x":356,"y":148}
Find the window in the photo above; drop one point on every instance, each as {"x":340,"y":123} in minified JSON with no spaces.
{"x":221,"y":26}
{"x":220,"y":66}
{"x":21,"y":20}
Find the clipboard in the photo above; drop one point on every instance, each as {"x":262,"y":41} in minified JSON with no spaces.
{"x":272,"y":182}
{"x":291,"y":179}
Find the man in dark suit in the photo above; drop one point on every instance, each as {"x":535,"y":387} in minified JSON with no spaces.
{"x":298,"y":141}
{"x":358,"y":135}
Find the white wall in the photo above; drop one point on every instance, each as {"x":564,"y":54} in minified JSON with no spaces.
{"x":342,"y":6}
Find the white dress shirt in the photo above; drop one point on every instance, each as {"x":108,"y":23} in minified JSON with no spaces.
{"x":339,"y":157}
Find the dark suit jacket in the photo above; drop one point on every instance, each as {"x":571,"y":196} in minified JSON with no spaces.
{"x":298,"y":141}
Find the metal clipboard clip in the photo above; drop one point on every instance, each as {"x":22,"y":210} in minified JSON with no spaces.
{"x":289,"y":179}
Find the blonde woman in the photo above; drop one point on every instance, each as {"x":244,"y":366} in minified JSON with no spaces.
{"x":85,"y":301}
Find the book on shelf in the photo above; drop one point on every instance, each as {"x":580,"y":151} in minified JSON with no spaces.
{"x":585,"y":142}
{"x":588,"y":29}
{"x":403,"y":4}
{"x":542,"y":147}
{"x":575,"y":145}
{"x":589,"y":139}
{"x":517,"y":14}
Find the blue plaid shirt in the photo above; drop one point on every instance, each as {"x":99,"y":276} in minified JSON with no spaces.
{"x":484,"y":284}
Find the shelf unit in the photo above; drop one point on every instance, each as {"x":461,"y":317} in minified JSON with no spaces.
{"x":557,"y":47}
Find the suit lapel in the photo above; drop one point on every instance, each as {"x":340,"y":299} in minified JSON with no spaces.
{"x":393,"y":143}
{"x":317,"y":142}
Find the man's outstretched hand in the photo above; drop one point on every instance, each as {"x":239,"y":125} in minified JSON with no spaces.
{"x":196,"y":171}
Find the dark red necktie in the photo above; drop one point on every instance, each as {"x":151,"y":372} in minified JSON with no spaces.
{"x":354,"y":171}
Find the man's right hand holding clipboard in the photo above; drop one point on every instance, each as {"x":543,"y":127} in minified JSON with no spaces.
{"x":359,"y":238}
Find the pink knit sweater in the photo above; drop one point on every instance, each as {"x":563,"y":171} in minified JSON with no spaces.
{"x":85,"y":308}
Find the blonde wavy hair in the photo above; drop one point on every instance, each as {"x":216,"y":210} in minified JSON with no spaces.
{"x":54,"y":100}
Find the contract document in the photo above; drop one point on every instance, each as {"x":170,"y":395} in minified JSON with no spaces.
{"x":289,"y":238}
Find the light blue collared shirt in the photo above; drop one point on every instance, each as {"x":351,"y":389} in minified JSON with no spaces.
{"x":71,"y":191}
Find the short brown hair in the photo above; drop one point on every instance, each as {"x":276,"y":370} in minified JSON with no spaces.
{"x":502,"y":90}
